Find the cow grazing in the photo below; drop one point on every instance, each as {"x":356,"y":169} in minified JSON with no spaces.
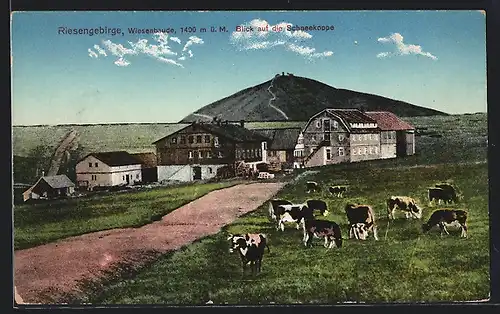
{"x":361,"y":214}
{"x":291,"y":213}
{"x":443,"y":217}
{"x":450,"y":190}
{"x":318,"y":205}
{"x":251,"y":248}
{"x":440,"y":194}
{"x":312,"y":186}
{"x":404,"y":203}
{"x":273,"y":207}
{"x":328,"y":230}
{"x":338,"y":190}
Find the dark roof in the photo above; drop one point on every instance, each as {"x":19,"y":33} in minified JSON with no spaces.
{"x":281,"y":138}
{"x":352,"y":115}
{"x":118,"y":158}
{"x":233,"y":132}
{"x":147,"y":159}
{"x":59,"y":181}
{"x":388,"y":121}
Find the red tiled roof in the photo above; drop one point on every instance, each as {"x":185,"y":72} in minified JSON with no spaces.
{"x":388,"y":121}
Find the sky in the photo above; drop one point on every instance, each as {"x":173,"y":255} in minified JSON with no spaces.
{"x":63,"y":72}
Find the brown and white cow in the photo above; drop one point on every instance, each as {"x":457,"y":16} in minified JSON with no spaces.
{"x":312,"y":186}
{"x":361,"y":221}
{"x":444,"y":217}
{"x":404,"y":203}
{"x":328,"y":230}
{"x":251,"y":248}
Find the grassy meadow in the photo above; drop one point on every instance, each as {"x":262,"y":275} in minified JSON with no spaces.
{"x":407,"y":266}
{"x":36,"y":224}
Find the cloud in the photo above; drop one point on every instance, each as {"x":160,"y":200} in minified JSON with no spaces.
{"x":175,"y":39}
{"x":192,"y":40}
{"x":100,"y":50}
{"x":92,"y":53}
{"x":122,"y":62}
{"x":402,"y":48}
{"x":259,"y":34}
{"x":157,"y":49}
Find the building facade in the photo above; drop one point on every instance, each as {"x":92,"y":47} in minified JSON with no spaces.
{"x":108,"y":169}
{"x":280,"y":151}
{"x":197,"y":151}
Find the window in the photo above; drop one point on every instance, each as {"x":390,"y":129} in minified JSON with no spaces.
{"x":198,"y":138}
{"x":183,"y":139}
{"x":375,"y":137}
{"x":376,"y":150}
{"x":174,"y":140}
{"x":207,"y":138}
{"x":94,"y":177}
{"x":313,"y":138}
{"x":365,"y":150}
{"x":209,"y":154}
{"x":191,"y":139}
{"x":123,"y":178}
{"x":341,"y":151}
{"x":371,"y":150}
{"x":265,"y":145}
{"x":200,"y":154}
{"x":216,"y":141}
{"x":354,"y":137}
{"x":96,"y":165}
{"x":354,"y":151}
{"x":328,"y":154}
{"x":219,"y":154}
{"x":210,"y":170}
{"x":253,"y":153}
{"x":335,"y":124}
{"x":244,"y":154}
{"x":238,"y":154}
{"x":365,"y":137}
{"x":90,"y":165}
{"x":326,"y":137}
{"x":259,"y":153}
{"x":326,"y":125}
{"x":341,"y":137}
{"x":318,"y":124}
{"x":137,"y":176}
{"x":190,"y":154}
{"x":370,"y":137}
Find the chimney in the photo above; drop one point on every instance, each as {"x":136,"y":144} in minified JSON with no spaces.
{"x":43,"y":173}
{"x":242,"y":123}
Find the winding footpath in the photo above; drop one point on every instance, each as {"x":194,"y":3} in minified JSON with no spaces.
{"x":50,"y":273}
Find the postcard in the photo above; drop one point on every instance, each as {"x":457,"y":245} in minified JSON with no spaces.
{"x":249,"y":157}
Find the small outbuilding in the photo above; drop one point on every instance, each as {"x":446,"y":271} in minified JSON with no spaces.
{"x":50,"y":187}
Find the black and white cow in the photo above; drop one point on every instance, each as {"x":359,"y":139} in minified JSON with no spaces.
{"x":273,"y":208}
{"x":404,"y":203}
{"x":318,"y":205}
{"x":328,"y":230}
{"x":312,"y":186}
{"x":444,"y":217}
{"x":338,"y":190}
{"x":291,"y":213}
{"x":447,"y":195}
{"x":450,"y":190}
{"x":251,"y":248}
{"x":361,"y":221}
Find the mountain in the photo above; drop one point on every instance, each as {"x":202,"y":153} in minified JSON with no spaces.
{"x":298,"y":98}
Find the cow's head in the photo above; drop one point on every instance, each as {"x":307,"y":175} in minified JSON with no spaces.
{"x":416,"y":211}
{"x":426,"y":227}
{"x":236,"y":242}
{"x":326,"y":213}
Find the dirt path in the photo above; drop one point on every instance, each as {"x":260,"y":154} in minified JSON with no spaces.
{"x":65,"y":144}
{"x":44,"y":274}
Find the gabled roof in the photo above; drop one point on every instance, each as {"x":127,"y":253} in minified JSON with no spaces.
{"x":230,"y":131}
{"x":281,"y":138}
{"x":117,"y":158}
{"x":147,"y":159}
{"x":388,"y":121}
{"x":58,"y":181}
{"x":352,"y":115}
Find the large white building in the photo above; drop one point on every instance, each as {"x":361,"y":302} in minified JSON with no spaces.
{"x":108,"y":169}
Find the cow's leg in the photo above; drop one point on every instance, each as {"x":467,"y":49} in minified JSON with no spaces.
{"x":326,"y":241}
{"x":306,"y":238}
{"x":464,"y":230}
{"x":298,"y":225}
{"x":332,"y":242}
{"x":351,"y":232}
{"x":375,"y":232}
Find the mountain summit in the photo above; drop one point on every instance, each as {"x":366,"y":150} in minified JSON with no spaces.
{"x":289,"y":97}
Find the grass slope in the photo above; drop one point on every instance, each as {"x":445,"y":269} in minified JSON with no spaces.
{"x":406,"y":267}
{"x":37,"y":224}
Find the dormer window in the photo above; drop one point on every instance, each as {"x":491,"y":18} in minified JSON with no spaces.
{"x":318,"y":124}
{"x":90,"y":165}
{"x":96,"y":165}
{"x":341,"y":137}
{"x":335,"y":124}
{"x":174,"y":140}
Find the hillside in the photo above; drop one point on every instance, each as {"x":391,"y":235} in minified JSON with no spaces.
{"x":298,"y":98}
